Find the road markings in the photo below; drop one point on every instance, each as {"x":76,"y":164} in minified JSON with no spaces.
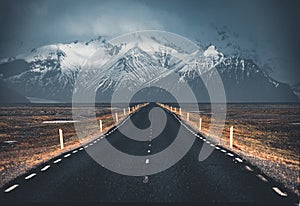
{"x":67,"y":155}
{"x":249,"y":168}
{"x":30,"y":176}
{"x":57,"y":161}
{"x":11,"y":188}
{"x":45,"y":168}
{"x":147,"y":161}
{"x":262,"y":178}
{"x":238,"y":159}
{"x":146,"y":179}
{"x":230,"y":154}
{"x":278,"y":191}
{"x":75,"y":151}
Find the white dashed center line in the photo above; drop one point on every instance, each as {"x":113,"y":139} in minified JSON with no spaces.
{"x":11,"y":188}
{"x":30,"y":176}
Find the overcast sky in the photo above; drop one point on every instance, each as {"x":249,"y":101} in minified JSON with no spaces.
{"x":267,"y":31}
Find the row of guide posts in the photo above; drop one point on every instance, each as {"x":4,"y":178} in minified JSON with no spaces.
{"x":174,"y":109}
{"x":130,"y":109}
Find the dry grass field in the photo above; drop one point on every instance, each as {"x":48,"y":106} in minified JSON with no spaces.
{"x":267,"y":135}
{"x":26,"y":141}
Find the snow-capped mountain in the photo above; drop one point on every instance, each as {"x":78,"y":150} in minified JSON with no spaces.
{"x":50,"y":72}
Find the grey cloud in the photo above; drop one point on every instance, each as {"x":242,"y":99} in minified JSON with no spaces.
{"x":269,"y":29}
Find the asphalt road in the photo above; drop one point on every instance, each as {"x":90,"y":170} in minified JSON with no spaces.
{"x":222,"y":178}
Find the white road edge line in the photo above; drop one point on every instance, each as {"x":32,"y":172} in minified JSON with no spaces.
{"x":30,"y":176}
{"x":45,"y":168}
{"x":67,"y":155}
{"x":262,"y":178}
{"x":11,"y":188}
{"x":249,"y":168}
{"x":238,"y":159}
{"x":230,"y":154}
{"x":57,"y":161}
{"x":278,"y":191}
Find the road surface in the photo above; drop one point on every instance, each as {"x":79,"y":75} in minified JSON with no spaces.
{"x":75,"y":177}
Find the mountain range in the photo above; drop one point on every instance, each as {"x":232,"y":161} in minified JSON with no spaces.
{"x":50,"y":72}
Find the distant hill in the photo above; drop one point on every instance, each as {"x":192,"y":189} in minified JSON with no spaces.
{"x":50,"y":72}
{"x":8,"y":95}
